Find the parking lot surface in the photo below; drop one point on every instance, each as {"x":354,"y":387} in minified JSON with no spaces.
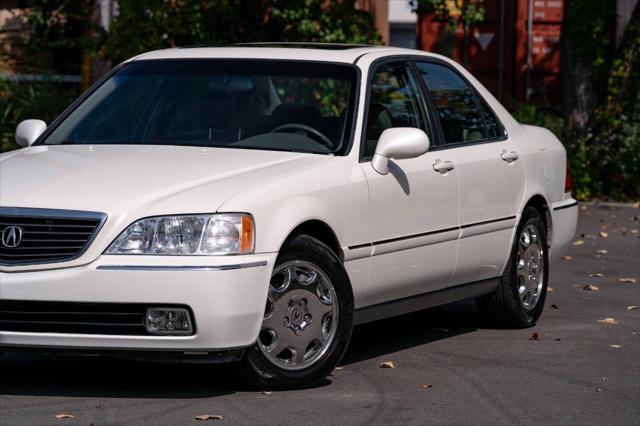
{"x":579,"y":365}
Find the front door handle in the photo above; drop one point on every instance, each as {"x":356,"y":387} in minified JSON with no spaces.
{"x":509,"y":157}
{"x":443,"y":166}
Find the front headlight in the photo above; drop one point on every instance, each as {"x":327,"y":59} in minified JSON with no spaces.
{"x":213,"y":234}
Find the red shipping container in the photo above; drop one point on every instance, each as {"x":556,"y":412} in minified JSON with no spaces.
{"x":515,"y":51}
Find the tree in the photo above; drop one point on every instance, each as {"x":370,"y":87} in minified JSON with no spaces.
{"x":587,"y":46}
{"x":144,"y":25}
{"x":601,"y":99}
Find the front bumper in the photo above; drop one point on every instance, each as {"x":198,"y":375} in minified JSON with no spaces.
{"x":226,"y":294}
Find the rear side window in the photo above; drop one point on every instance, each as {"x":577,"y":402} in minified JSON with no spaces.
{"x":394,"y":102}
{"x":464,"y":116}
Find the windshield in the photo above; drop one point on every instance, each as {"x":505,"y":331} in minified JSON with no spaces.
{"x":254,"y":104}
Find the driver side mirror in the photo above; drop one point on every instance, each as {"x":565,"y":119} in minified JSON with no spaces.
{"x":28,"y":131}
{"x":398,"y":143}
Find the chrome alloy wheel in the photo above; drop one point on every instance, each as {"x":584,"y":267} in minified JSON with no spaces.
{"x":301,"y":316}
{"x":530,"y":267}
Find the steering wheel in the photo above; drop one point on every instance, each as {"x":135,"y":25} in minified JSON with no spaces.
{"x":322,"y":138}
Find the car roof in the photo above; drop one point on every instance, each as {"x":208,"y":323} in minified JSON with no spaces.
{"x":325,"y":52}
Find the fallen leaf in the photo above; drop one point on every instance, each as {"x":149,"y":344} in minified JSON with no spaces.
{"x":602,"y":251}
{"x":627,"y":280}
{"x":608,"y":321}
{"x":534,"y":336}
{"x":387,"y":364}
{"x":603,"y":235}
{"x":632,"y":307}
{"x":598,"y":390}
{"x":64,"y":416}
{"x":554,"y":306}
{"x":591,"y":287}
{"x":425,"y":386}
{"x":578,"y":243}
{"x":596,"y":275}
{"x":634,"y":231}
{"x":567,"y":257}
{"x":549,"y":289}
{"x":615,"y":346}
{"x":606,"y":379}
{"x":209,"y":417}
{"x":339,"y":368}
{"x":266,"y":392}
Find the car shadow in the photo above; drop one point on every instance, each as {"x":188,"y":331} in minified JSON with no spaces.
{"x":411,"y":330}
{"x":84,"y":376}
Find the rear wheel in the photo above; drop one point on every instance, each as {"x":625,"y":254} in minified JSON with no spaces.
{"x":519,"y":300}
{"x":307,"y":321}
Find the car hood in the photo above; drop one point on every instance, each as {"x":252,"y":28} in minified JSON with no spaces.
{"x":136,"y":179}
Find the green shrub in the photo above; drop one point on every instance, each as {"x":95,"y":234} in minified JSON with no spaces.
{"x":23,"y":100}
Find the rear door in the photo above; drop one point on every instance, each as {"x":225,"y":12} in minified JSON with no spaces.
{"x":414,"y":208}
{"x":490,"y":171}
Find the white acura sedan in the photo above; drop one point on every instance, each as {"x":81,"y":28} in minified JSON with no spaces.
{"x":253,"y":203}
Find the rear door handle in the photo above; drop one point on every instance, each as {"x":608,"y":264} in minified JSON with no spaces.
{"x":443,"y":166}
{"x":509,"y":157}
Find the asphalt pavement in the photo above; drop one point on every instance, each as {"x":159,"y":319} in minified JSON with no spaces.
{"x":579,"y":365}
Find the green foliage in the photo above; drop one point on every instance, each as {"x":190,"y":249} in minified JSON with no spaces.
{"x":592,"y":24}
{"x":59,"y":31}
{"x":144,"y":25}
{"x":454,"y":12}
{"x":24,"y":100}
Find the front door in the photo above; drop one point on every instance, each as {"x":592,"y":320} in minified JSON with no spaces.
{"x":414,"y":209}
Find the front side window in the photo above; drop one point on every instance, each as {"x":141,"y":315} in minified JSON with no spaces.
{"x":394,"y":101}
{"x":271,"y":105}
{"x":463,"y":116}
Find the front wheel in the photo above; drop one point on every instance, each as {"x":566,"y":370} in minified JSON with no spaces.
{"x":519,"y":300}
{"x":307,"y":321}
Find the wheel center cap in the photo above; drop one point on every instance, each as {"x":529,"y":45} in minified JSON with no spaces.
{"x":299,"y":316}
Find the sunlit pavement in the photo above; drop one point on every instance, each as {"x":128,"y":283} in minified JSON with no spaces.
{"x":448,"y":368}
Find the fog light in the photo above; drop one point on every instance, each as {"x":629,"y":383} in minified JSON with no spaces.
{"x":175,"y":321}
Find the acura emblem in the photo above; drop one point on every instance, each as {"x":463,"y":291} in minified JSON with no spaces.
{"x":11,"y":236}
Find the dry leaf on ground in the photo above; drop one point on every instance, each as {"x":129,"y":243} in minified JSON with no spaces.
{"x":567,"y":257}
{"x":549,"y":289}
{"x":627,"y":280}
{"x":578,"y":243}
{"x":591,"y":287}
{"x":603,"y":234}
{"x":554,"y":306}
{"x":425,"y":386}
{"x":632,"y":307}
{"x":608,"y":321}
{"x":602,"y":251}
{"x":535,"y":336}
{"x":209,"y":417}
{"x":64,"y":416}
{"x":339,"y":368}
{"x":596,"y":274}
{"x":615,"y":346}
{"x":387,"y":364}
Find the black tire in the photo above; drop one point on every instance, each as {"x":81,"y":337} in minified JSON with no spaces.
{"x":504,"y":308}
{"x":259,"y":371}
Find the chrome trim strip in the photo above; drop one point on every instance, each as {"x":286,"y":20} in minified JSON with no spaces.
{"x":181,"y":267}
{"x":566,"y":206}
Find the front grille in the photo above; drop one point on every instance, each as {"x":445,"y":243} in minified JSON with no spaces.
{"x":74,"y":317}
{"x":45,"y":235}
